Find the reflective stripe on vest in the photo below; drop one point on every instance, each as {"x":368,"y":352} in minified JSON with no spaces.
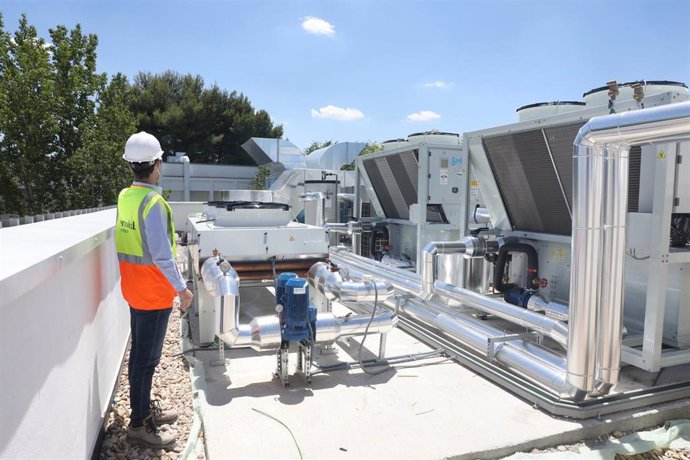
{"x":143,"y":285}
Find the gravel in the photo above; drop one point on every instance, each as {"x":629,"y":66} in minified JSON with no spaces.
{"x":654,"y":454}
{"x":172,"y":387}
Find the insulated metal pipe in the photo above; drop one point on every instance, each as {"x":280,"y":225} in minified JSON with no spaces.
{"x":610,"y":306}
{"x":552,"y":328}
{"x":357,"y":324}
{"x":333,"y":286}
{"x":585,"y":268}
{"x":481,"y":216}
{"x":401,"y":280}
{"x":408,"y":283}
{"x":528,"y":359}
{"x":337,"y":227}
{"x":429,"y":268}
{"x":596,"y":251}
{"x":470,"y":246}
{"x":551,"y":309}
{"x":263,"y":332}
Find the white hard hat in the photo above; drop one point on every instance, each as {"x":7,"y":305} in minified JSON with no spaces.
{"x":142,"y":147}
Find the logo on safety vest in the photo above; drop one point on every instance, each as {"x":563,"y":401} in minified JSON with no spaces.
{"x":129,"y":224}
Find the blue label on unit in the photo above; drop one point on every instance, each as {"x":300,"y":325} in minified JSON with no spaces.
{"x":455,"y":161}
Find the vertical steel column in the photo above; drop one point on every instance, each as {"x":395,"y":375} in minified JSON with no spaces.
{"x":664,"y":179}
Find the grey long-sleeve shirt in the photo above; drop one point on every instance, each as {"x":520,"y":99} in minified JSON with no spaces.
{"x":158,"y":239}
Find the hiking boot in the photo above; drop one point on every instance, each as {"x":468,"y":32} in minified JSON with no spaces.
{"x":160,"y":416}
{"x":149,"y":435}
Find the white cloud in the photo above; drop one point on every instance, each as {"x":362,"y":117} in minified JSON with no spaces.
{"x":423,"y":115}
{"x":337,"y":113}
{"x":437,"y":84}
{"x":318,"y":26}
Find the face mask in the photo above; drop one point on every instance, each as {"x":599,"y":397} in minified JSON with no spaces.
{"x":157,"y":171}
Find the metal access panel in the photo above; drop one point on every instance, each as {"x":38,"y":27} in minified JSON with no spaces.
{"x":448,"y":175}
{"x":676,"y":317}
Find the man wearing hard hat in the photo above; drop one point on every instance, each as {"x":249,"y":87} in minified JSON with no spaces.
{"x":150,"y":280}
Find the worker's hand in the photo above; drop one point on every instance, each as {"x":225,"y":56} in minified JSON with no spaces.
{"x":186,"y":297}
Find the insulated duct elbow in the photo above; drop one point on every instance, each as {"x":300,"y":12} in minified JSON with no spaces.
{"x":330,"y":282}
{"x":219,"y":278}
{"x":470,"y":247}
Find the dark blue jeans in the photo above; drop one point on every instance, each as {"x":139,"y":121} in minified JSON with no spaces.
{"x":148,"y":329}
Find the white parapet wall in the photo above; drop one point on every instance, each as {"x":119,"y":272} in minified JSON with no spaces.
{"x":64,"y":328}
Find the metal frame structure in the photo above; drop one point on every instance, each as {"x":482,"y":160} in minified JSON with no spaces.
{"x":651,"y":357}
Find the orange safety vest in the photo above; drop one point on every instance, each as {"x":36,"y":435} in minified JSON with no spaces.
{"x":143,"y":285}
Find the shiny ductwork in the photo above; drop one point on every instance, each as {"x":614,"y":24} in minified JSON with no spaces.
{"x":481,"y":216}
{"x":470,"y":247}
{"x":220,"y":279}
{"x":402,"y":280}
{"x":330,"y":283}
{"x":600,"y":189}
{"x":535,"y":362}
{"x":552,"y":309}
{"x":516,"y":353}
{"x":264,"y":332}
{"x":318,"y":199}
{"x":351,"y":228}
{"x":409,"y":283}
{"x":550,"y":327}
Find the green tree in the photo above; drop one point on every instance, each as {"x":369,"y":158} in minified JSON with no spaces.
{"x":76,"y":84}
{"x":259,"y":181}
{"x":208,"y":124}
{"x":27,"y":122}
{"x":62,"y":125}
{"x":316,"y":145}
{"x":369,"y":147}
{"x":97,"y":168}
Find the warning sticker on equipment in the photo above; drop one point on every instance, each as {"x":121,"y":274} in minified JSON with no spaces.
{"x":474,"y":190}
{"x":444,"y":177}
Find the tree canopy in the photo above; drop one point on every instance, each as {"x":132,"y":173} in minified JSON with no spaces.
{"x":208,"y":124}
{"x":63,"y":125}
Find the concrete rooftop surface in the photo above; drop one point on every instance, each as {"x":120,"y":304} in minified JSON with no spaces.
{"x":429,"y":409}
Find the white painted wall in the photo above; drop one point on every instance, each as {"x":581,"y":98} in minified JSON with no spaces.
{"x":64,"y":328}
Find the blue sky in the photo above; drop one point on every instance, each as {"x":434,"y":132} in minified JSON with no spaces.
{"x":363,"y":70}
